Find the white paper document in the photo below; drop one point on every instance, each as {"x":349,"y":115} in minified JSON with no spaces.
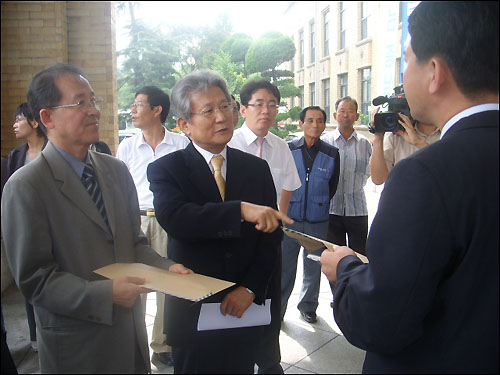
{"x":211,"y":317}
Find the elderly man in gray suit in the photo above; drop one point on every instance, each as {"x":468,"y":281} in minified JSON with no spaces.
{"x":65,"y":214}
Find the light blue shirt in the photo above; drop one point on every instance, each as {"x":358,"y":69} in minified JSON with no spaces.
{"x":350,"y":199}
{"x":74,"y":162}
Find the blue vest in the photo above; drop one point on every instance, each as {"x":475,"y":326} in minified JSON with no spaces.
{"x":311,"y":202}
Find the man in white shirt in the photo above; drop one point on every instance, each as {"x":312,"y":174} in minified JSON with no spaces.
{"x":259,"y":106}
{"x":149,"y":112}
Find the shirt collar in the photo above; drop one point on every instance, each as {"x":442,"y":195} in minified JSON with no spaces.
{"x":468,"y":112}
{"x":337,"y":135}
{"x":142,"y":141}
{"x":250,"y":136}
{"x":207,"y":155}
{"x":73,"y":161}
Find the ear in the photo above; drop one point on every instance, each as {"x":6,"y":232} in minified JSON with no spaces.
{"x":357,"y":116}
{"x":157,"y":110}
{"x":243,"y":111}
{"x":335,"y":115}
{"x":438,"y":72}
{"x":46,"y":116}
{"x":301,"y":125}
{"x":183,"y":126}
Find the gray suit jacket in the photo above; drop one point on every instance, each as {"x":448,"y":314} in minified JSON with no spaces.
{"x":55,"y":237}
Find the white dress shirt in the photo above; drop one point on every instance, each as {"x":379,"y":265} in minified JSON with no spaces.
{"x":277,"y":154}
{"x":137,"y":155}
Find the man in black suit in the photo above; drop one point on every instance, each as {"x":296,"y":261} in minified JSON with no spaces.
{"x":428,"y":300}
{"x":221,"y":228}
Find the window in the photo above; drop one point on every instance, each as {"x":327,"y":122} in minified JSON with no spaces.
{"x":301,"y":96}
{"x":365,"y":14}
{"x":343,"y":85}
{"x":326,"y":98}
{"x":312,"y":41}
{"x":326,"y":32}
{"x":301,"y":48}
{"x":366,"y":88}
{"x":342,"y":24}
{"x":312,"y":91}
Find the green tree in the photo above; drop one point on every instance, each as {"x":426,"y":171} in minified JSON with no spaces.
{"x":230,"y":71}
{"x":237,"y":46}
{"x":149,"y":60}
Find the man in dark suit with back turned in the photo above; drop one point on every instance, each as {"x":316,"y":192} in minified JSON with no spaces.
{"x":219,"y":222}
{"x":428,"y":300}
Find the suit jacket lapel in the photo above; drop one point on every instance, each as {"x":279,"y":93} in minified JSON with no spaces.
{"x":106,"y":186}
{"x":233,"y":182}
{"x":71,"y":186}
{"x":201,"y":176}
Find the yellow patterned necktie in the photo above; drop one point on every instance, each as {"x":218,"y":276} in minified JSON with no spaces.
{"x":219,"y":179}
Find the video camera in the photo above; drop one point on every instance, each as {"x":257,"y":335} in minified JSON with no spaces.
{"x":388,"y":121}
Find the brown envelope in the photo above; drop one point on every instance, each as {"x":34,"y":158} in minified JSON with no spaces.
{"x":193,"y":287}
{"x":311,"y":243}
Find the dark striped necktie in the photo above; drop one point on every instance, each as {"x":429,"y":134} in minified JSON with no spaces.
{"x":90,"y":183}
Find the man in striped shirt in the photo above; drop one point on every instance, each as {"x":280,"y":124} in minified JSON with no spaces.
{"x":348,"y":209}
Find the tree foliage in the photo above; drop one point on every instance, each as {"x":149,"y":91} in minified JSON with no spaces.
{"x":269,"y":51}
{"x":237,"y":46}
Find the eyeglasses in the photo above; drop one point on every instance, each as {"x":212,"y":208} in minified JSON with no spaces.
{"x":82,"y":104}
{"x":140,"y":105}
{"x":210,"y":113}
{"x":260,"y":106}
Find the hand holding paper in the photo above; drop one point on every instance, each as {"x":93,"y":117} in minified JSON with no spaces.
{"x":236,"y":302}
{"x":330,"y":259}
{"x":126,"y":289}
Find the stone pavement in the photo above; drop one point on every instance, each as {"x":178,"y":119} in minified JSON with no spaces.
{"x":305,"y":348}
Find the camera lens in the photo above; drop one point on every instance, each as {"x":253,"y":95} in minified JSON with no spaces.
{"x":391,"y":122}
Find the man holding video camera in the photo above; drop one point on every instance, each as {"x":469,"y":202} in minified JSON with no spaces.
{"x":402,"y":140}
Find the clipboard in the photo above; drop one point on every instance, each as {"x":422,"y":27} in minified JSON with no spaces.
{"x":193,"y":287}
{"x":311,"y":243}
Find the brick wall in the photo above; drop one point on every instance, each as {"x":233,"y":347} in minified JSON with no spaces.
{"x":35,"y":35}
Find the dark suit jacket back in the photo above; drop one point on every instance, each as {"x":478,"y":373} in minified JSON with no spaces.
{"x":428,"y":300}
{"x":206,"y":234}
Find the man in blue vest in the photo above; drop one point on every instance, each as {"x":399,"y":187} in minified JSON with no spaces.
{"x":318,"y":165}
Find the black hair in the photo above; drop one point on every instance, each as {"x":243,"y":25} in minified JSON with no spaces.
{"x":465,"y":35}
{"x":346,"y":98}
{"x":156,"y":96}
{"x":311,"y":108}
{"x":237,"y":103}
{"x":43,"y":91}
{"x":25,"y":110}
{"x":251,"y":86}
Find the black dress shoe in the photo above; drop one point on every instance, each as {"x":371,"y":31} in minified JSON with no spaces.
{"x":309,"y":317}
{"x":164,"y":358}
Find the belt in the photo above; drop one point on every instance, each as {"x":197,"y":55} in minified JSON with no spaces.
{"x":149,"y":212}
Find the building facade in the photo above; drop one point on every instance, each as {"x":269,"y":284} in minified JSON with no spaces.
{"x":37,"y":34}
{"x":344,"y":48}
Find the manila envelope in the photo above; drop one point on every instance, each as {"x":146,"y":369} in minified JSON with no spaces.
{"x":311,"y":243}
{"x":193,"y":287}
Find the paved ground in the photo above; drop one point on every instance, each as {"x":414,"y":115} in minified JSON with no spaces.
{"x":305,"y":348}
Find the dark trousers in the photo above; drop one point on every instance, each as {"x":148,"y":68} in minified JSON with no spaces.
{"x":30,"y":314}
{"x":355,"y":228}
{"x":225,"y":351}
{"x":268,"y":348}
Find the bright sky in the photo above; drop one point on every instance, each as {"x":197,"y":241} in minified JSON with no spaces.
{"x":250,"y":17}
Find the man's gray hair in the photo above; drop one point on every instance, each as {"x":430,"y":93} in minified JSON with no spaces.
{"x":194,"y":83}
